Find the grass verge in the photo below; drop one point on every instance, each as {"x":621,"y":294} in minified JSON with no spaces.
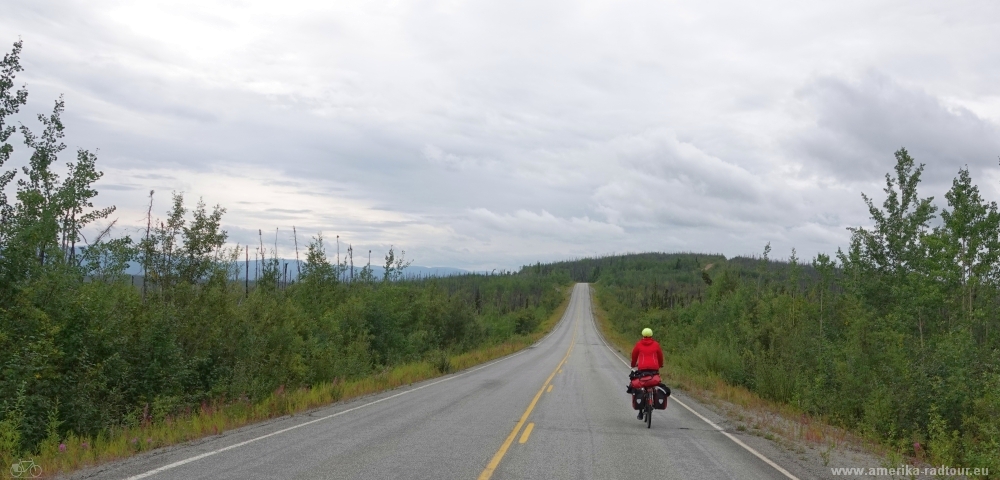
{"x":209,"y":419}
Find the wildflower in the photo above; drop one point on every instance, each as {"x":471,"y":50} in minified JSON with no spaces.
{"x":62,"y":447}
{"x":135,"y":440}
{"x":84,"y":445}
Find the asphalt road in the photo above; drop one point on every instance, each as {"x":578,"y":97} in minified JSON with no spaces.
{"x":569,"y":388}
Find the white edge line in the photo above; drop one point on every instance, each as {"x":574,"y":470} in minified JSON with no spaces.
{"x":236,"y":445}
{"x":727,"y":434}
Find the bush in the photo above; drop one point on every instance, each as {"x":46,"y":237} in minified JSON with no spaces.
{"x":526,"y":322}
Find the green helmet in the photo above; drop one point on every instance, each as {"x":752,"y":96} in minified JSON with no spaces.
{"x":646,"y":332}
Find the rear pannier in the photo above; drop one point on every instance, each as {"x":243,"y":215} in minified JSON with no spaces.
{"x":660,"y":394}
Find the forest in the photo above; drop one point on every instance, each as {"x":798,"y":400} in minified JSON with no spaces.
{"x":88,"y":352}
{"x":895,"y":336}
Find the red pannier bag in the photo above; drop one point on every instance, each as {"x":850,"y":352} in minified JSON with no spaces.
{"x":660,"y":394}
{"x":637,"y":400}
{"x":646,"y":381}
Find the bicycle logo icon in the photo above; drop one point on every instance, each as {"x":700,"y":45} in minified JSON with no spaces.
{"x":26,"y":468}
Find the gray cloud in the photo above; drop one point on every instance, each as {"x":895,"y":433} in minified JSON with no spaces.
{"x":858,"y":123}
{"x":485,"y":135}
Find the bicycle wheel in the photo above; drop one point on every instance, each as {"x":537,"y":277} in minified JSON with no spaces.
{"x":649,"y":410}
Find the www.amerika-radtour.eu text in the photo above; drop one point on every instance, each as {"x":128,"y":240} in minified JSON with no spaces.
{"x":909,"y":470}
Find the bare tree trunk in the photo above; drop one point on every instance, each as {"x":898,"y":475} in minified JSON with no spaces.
{"x":146,"y":260}
{"x":72,"y":249}
{"x":295,"y":237}
{"x":62,"y":238}
{"x":260,"y":237}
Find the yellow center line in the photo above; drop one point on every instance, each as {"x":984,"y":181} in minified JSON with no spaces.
{"x":495,"y":462}
{"x":549,"y":390}
{"x":527,"y":433}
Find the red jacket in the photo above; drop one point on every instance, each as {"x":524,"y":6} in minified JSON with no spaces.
{"x":647,"y":355}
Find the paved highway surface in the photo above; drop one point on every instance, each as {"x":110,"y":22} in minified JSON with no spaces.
{"x":555,"y":410}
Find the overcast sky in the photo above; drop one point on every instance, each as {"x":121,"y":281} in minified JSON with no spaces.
{"x":495,"y":134}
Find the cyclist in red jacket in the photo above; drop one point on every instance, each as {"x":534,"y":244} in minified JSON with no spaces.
{"x":647,"y":354}
{"x":646,"y":357}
